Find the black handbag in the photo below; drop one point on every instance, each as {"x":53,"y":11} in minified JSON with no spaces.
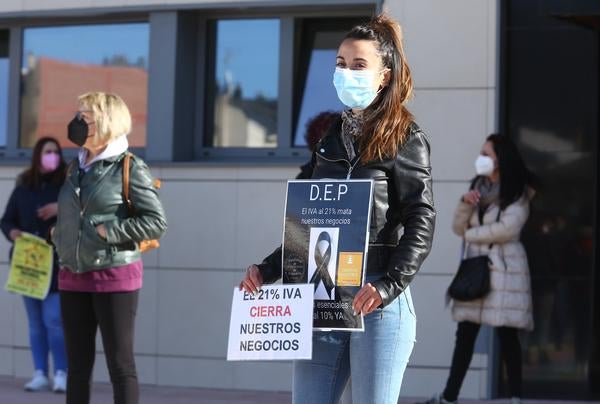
{"x":472,"y":280}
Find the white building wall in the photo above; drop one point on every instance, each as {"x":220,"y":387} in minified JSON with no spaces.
{"x":18,"y":6}
{"x":451,"y":48}
{"x":224,"y":217}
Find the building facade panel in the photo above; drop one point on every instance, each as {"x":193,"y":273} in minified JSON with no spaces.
{"x":146,"y":367}
{"x":193,"y":312}
{"x":20,"y":326}
{"x":7,"y":301}
{"x":11,"y":5}
{"x":456,"y":123}
{"x":492,"y":111}
{"x":6,"y":360}
{"x":259,"y":221}
{"x":435,"y":327}
{"x":227,"y":214}
{"x":200,"y":224}
{"x":446,"y":42}
{"x":22,"y":362}
{"x":36,"y":5}
{"x":492,"y":48}
{"x":7,"y":184}
{"x":443,"y":259}
{"x":146,"y":326}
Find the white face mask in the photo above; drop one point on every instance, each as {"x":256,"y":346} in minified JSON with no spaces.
{"x":484,"y":165}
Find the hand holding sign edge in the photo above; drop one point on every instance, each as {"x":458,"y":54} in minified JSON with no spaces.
{"x":366,"y":300}
{"x":252,"y":281}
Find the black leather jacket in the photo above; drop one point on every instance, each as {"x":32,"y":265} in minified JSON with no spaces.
{"x":95,"y":197}
{"x":402,"y":217}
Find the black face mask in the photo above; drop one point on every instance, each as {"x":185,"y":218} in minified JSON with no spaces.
{"x":77,"y":131}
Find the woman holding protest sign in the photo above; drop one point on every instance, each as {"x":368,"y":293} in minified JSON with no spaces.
{"x":97,"y":237}
{"x":32,"y":209}
{"x":375,"y":138}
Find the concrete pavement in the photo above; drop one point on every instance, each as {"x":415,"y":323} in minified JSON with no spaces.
{"x":11,"y":392}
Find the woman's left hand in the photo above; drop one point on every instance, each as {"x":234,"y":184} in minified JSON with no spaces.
{"x":366,"y":300}
{"x":101,"y":230}
{"x":48,"y":211}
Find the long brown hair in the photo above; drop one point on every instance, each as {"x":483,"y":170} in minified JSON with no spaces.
{"x":387,"y":120}
{"x":32,"y":177}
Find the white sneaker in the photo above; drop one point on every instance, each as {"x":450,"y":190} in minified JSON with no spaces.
{"x":39,"y":382}
{"x":60,"y":382}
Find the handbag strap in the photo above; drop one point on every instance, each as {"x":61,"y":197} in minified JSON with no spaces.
{"x":156,"y":183}
{"x":465,"y":243}
{"x":126,"y":161}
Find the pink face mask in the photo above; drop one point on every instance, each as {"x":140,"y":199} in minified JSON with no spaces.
{"x":50,"y":161}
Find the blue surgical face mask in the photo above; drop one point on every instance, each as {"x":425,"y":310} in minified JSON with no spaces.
{"x":355,"y":87}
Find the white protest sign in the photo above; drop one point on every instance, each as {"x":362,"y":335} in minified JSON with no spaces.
{"x":274,"y":324}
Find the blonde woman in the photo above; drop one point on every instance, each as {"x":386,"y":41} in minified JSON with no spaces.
{"x":97,"y":242}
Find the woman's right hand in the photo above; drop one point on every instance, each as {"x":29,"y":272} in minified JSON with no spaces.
{"x":471,"y":197}
{"x":48,"y":211}
{"x":15,"y":234}
{"x":252,"y":281}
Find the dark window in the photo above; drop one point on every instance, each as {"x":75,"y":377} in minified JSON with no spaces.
{"x":61,"y":63}
{"x":244,"y":84}
{"x":551,"y":103}
{"x":4,"y":72}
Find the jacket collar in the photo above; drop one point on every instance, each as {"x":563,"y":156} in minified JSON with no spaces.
{"x":112,"y":151}
{"x":330,"y":145}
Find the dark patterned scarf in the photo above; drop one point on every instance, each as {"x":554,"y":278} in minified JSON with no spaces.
{"x":489,"y":191}
{"x":352,"y":125}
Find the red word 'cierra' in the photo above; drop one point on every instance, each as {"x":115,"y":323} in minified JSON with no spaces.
{"x":270,"y":311}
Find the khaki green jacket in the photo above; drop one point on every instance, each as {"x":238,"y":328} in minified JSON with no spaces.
{"x":95,"y":197}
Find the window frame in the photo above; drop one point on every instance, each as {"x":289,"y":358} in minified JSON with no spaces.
{"x":306,"y":29}
{"x":175,"y":86}
{"x":289,"y":43}
{"x":12,"y":150}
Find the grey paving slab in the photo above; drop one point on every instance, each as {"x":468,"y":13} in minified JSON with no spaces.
{"x":11,"y":392}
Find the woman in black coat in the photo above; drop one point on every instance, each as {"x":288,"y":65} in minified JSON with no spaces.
{"x":32,"y":208}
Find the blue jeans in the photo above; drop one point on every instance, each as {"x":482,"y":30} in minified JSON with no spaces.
{"x":46,"y":332}
{"x":375,"y":359}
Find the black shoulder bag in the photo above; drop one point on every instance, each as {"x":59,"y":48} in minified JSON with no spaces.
{"x":472,"y":280}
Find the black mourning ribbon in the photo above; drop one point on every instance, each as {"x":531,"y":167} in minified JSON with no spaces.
{"x":321,"y":273}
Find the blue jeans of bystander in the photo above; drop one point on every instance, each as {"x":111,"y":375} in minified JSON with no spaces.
{"x":46,"y":332}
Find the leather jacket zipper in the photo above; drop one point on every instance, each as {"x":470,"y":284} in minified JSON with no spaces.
{"x":77,"y":247}
{"x":352,"y":167}
{"x":82,"y":212}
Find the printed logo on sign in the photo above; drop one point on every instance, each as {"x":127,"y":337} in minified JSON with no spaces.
{"x":349,"y":269}
{"x":323,"y":261}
